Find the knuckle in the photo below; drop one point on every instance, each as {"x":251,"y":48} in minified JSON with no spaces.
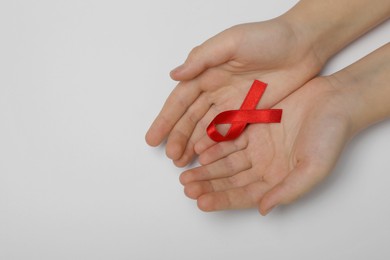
{"x":181,"y":101}
{"x":192,"y":115}
{"x":218,"y":149}
{"x":230,"y":162}
{"x":234,"y":181}
{"x":194,"y":53}
{"x":180,"y":96}
{"x":239,"y":157}
{"x":165,"y":123}
{"x":203,"y":124}
{"x":208,"y":99}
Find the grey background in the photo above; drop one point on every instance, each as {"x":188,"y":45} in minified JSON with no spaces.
{"x":80,"y":82}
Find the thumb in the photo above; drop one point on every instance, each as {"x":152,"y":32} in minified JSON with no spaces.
{"x":215,"y":51}
{"x":299,"y":181}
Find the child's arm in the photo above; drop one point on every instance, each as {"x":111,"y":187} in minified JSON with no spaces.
{"x":275,"y":164}
{"x":327,"y":26}
{"x":365,"y":88}
{"x":285,"y":52}
{"x":330,"y":25}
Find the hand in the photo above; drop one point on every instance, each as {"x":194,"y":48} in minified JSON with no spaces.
{"x":285,"y":52}
{"x":217,"y":75}
{"x":272,"y":164}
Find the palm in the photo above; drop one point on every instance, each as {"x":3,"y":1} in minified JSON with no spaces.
{"x":267,"y":51}
{"x":278,"y":162}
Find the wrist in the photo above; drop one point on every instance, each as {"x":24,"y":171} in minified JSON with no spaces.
{"x":351,"y":105}
{"x":364,"y":90}
{"x":303,"y":43}
{"x":328,"y":26}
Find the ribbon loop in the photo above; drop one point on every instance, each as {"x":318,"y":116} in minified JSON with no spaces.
{"x":247,"y":114}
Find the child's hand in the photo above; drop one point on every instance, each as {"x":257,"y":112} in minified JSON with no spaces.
{"x":272,"y":164}
{"x":276,"y":161}
{"x":285,"y":52}
{"x":218,"y":73}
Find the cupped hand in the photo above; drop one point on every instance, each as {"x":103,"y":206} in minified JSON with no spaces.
{"x":217,"y":75}
{"x":273,"y":164}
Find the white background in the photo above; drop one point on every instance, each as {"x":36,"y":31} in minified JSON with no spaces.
{"x":80,"y":82}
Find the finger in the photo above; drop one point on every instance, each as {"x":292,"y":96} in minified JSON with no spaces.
{"x":182,"y":131}
{"x":223,"y":149}
{"x":175,"y":106}
{"x":187,"y":157}
{"x":238,"y":198}
{"x":222,"y":99}
{"x":192,"y":118}
{"x":200,"y":128}
{"x":243,"y":178}
{"x":200,"y":131}
{"x":225,"y":167}
{"x":195,"y":189}
{"x":215,"y":51}
{"x":203,"y":144}
{"x":299,"y":181}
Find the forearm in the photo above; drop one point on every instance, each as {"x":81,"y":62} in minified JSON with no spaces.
{"x":330,"y":25}
{"x":366,"y":88}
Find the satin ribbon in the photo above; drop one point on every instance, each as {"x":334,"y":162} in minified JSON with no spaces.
{"x":247,"y":114}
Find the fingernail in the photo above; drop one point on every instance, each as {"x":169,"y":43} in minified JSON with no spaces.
{"x":269,"y":210}
{"x":177,"y":69}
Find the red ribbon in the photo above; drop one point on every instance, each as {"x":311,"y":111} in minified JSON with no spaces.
{"x":247,"y":114}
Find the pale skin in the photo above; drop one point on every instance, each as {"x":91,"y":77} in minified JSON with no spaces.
{"x":275,"y":164}
{"x":285,"y":52}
